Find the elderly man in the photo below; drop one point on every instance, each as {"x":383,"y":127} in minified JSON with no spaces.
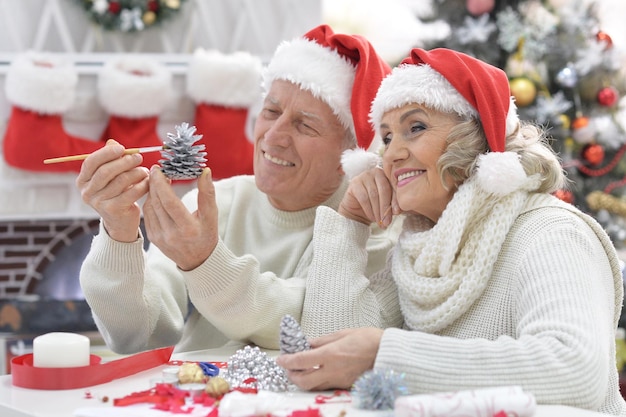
{"x":230,"y":259}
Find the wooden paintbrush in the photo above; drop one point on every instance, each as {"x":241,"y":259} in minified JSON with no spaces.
{"x":84,"y":156}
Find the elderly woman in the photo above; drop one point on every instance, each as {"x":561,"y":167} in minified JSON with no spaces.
{"x":493,"y":280}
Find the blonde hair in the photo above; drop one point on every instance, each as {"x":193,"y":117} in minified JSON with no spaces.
{"x":467,"y":140}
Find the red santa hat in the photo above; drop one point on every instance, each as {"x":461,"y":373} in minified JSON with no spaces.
{"x":453,"y":82}
{"x":342,"y":70}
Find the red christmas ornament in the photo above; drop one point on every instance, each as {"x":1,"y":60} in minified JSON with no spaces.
{"x":604,"y":37}
{"x":153,"y":6}
{"x":593,"y":153}
{"x":480,"y":7}
{"x":565,"y":195}
{"x":114,"y":7}
{"x":608,"y":96}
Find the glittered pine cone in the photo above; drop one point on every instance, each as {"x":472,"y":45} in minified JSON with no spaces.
{"x":182,"y":160}
{"x":292,"y":339}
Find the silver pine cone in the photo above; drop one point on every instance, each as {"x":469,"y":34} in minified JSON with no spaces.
{"x":182,"y":160}
{"x":292,"y":339}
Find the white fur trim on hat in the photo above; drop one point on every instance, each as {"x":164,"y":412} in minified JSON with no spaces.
{"x":318,"y":69}
{"x":501,"y":173}
{"x":41,"y":82}
{"x":122,"y":92}
{"x":419,"y":84}
{"x":231,"y":80}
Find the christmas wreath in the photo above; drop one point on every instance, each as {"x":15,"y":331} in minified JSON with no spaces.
{"x":130,"y":15}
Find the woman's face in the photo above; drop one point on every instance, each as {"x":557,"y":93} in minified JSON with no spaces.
{"x":415,"y":138}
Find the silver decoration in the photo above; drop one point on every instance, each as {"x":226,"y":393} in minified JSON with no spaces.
{"x":292,"y":339}
{"x":182,"y":159}
{"x":250,"y":367}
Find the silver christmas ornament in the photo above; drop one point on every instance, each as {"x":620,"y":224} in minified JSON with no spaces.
{"x":567,"y":77}
{"x":182,"y":160}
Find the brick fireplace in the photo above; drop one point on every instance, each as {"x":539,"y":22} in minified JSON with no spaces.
{"x":29,"y":251}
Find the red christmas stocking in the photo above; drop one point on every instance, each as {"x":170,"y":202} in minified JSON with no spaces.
{"x":41,"y":87}
{"x":223,"y":88}
{"x":134,"y":91}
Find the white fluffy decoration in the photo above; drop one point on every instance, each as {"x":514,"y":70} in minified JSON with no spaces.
{"x":124,"y":93}
{"x":239,"y":404}
{"x":500,"y":173}
{"x":41,"y":82}
{"x":231,"y":80}
{"x":355,"y":161}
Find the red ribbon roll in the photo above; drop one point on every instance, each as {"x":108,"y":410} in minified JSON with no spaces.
{"x":25,"y":375}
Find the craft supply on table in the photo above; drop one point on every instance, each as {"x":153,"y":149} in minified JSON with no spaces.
{"x":61,"y":350}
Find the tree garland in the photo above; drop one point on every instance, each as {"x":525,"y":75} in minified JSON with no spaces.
{"x":130,"y":15}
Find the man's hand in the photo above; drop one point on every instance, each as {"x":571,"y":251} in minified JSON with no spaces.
{"x":112,"y":183}
{"x":186,"y":238}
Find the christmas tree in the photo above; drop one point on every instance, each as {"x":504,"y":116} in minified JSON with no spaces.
{"x":564,"y":69}
{"x":567,"y":75}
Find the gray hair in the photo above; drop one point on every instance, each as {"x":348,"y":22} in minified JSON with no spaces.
{"x":467,"y":140}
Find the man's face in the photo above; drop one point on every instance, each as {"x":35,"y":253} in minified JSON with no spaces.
{"x":298,"y":146}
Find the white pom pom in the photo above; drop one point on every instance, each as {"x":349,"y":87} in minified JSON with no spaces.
{"x":355,"y":161}
{"x":500,"y":173}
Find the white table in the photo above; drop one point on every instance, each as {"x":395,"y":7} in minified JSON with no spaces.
{"x":23,"y":402}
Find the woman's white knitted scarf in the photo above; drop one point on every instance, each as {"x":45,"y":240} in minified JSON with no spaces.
{"x":441,"y":270}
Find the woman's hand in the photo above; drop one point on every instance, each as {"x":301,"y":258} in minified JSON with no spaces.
{"x":335,"y":361}
{"x":369,"y":199}
{"x":112,"y":183}
{"x":186,"y":238}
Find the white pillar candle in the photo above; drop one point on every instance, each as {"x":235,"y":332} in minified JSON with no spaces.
{"x":60,"y":350}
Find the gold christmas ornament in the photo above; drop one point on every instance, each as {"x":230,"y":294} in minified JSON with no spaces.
{"x":524,"y":91}
{"x":148,"y":18}
{"x":565,"y":121}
